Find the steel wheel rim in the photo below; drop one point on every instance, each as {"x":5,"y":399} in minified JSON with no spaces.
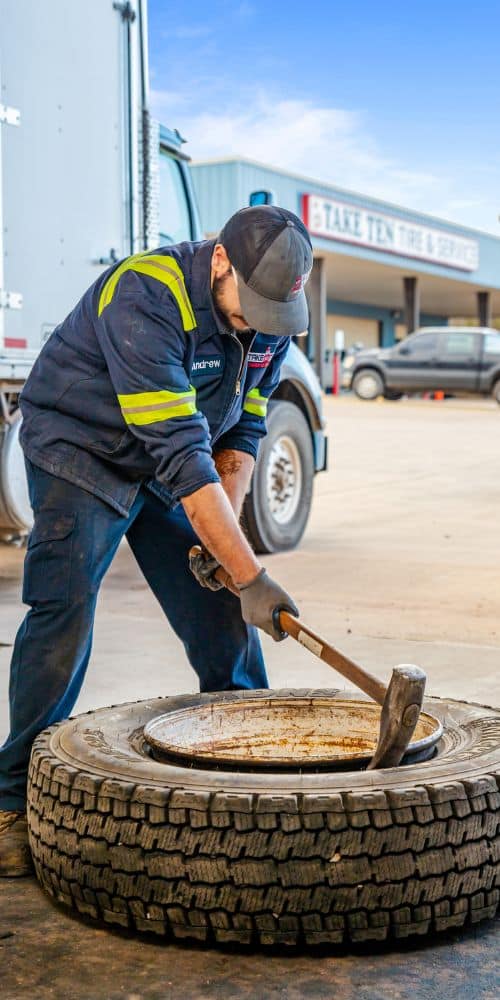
{"x":283,"y":479}
{"x":288,"y":733}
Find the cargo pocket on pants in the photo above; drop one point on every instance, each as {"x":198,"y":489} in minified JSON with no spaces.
{"x":47,"y":567}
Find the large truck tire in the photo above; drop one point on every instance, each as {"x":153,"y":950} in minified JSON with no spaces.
{"x":276,"y":509}
{"x":266,"y":858}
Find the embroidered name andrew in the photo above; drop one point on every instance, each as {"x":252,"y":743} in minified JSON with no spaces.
{"x":208,"y":365}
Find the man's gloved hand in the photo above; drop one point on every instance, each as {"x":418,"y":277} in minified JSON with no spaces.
{"x":203,"y":566}
{"x":260,"y":599}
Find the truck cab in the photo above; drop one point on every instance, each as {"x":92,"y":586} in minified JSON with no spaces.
{"x":88,"y":177}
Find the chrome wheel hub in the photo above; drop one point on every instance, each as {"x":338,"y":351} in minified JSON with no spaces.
{"x":283,"y":479}
{"x":367,"y":387}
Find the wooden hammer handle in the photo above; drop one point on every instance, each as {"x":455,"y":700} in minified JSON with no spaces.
{"x":333,"y":657}
{"x":317,"y":645}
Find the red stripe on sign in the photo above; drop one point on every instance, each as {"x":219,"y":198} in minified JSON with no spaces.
{"x":15,"y":342}
{"x":305,"y":210}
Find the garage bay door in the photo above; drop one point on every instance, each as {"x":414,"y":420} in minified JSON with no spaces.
{"x":356,"y":331}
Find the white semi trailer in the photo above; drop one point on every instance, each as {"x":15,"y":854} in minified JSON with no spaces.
{"x":87,"y":177}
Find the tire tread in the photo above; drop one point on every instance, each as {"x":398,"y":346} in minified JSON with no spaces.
{"x":222,"y":867}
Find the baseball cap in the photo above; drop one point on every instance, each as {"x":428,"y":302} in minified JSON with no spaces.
{"x":270,"y":250}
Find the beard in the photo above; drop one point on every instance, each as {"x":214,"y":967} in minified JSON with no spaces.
{"x":218,"y":290}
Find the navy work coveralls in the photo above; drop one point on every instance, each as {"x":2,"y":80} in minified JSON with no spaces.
{"x":124,"y":407}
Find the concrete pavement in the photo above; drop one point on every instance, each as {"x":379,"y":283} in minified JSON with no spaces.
{"x":399,"y":564}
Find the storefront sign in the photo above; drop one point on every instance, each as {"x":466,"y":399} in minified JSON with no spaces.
{"x":338,"y":220}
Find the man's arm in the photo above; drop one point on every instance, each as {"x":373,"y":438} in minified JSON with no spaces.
{"x":235,"y":470}
{"x":213,"y":519}
{"x":143,"y":343}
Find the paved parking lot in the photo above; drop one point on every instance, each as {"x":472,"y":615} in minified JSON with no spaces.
{"x":399,"y":564}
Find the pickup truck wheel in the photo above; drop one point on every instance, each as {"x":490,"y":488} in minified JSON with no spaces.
{"x":496,"y":391}
{"x":368,"y":384}
{"x":266,"y":857}
{"x":277,"y":507}
{"x":392,"y":394}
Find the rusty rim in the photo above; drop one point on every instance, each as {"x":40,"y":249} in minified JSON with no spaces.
{"x":280,"y":733}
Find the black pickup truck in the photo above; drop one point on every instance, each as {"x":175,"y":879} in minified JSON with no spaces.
{"x":456,"y":360}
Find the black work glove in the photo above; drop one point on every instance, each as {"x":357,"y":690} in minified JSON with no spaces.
{"x":261,"y":600}
{"x":203,"y":566}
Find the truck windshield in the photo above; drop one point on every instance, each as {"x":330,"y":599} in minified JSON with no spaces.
{"x":175,"y":218}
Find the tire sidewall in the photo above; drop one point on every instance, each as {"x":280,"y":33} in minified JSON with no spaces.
{"x":103,"y":742}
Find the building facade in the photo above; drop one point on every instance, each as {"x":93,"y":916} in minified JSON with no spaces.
{"x":380,"y":271}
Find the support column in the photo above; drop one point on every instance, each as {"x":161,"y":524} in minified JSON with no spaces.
{"x":412,"y":304}
{"x":316,"y":297}
{"x":484,"y":308}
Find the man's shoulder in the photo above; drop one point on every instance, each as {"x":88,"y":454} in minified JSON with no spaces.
{"x":182,"y":253}
{"x":161,"y":274}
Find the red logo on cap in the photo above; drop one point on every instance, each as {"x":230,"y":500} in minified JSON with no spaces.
{"x":298,"y":284}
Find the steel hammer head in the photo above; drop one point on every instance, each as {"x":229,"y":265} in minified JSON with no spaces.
{"x":399,"y":716}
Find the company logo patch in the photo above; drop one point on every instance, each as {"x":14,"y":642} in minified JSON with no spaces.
{"x":207,"y":365}
{"x":260,"y":359}
{"x":299,"y":282}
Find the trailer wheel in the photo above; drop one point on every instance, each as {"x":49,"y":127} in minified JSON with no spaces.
{"x":266,"y":858}
{"x":276,"y":509}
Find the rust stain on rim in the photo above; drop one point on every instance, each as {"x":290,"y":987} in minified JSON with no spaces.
{"x":286,"y":732}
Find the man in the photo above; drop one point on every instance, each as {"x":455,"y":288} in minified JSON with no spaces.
{"x":142,"y":417}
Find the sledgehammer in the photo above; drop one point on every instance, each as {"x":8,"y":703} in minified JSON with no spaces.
{"x":401,"y":700}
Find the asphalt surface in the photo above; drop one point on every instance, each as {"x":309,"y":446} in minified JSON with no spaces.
{"x":399,"y":564}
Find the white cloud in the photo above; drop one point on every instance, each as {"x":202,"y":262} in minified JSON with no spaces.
{"x":330,"y":144}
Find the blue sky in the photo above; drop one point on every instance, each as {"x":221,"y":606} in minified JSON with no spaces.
{"x":397,"y":100}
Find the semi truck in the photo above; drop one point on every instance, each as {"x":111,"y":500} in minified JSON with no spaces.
{"x":88,"y":177}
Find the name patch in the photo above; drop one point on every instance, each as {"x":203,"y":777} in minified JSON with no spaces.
{"x":209,"y":364}
{"x":260,"y":359}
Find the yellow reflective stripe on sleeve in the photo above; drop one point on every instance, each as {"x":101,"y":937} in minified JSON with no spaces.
{"x":255,"y":403}
{"x":153,"y":407}
{"x":164,"y":269}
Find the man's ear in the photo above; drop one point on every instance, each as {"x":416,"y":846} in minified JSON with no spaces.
{"x":220,"y":261}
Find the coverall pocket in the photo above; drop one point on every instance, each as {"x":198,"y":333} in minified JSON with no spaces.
{"x":47,"y":567}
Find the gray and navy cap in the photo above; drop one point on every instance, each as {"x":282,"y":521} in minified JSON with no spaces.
{"x":270,"y":250}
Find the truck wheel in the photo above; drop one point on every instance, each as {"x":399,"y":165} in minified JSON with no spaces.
{"x":16,"y":516}
{"x":368,"y":384}
{"x":392,"y":394}
{"x":496,"y":391}
{"x":266,"y":857}
{"x":277,"y":508}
